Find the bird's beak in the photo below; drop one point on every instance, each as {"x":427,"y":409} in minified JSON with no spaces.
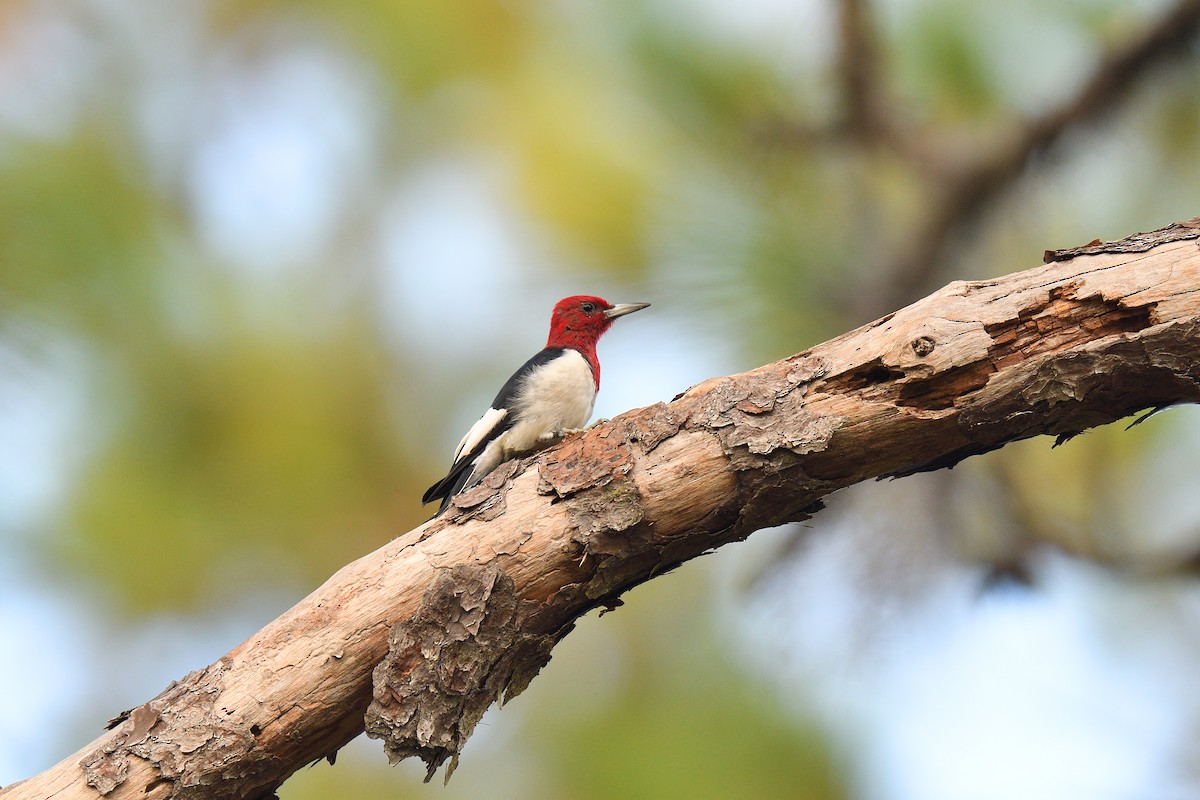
{"x":621,"y":309}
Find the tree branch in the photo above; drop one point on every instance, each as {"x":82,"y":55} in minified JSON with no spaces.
{"x":970,"y":189}
{"x":858,"y":71}
{"x":414,"y":641}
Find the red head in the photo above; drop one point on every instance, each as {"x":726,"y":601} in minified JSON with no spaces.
{"x":578,"y":322}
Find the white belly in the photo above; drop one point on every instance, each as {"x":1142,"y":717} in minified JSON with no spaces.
{"x":557,"y":397}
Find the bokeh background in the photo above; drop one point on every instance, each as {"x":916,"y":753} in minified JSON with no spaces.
{"x":262,"y":261}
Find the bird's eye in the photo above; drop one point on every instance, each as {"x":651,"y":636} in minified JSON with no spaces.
{"x":588,"y":307}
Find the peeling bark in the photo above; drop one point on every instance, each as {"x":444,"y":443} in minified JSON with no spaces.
{"x":416,"y":640}
{"x":461,"y":651}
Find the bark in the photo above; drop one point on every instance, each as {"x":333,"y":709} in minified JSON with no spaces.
{"x":414,"y":641}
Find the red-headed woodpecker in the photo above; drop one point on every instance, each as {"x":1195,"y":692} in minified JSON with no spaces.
{"x":550,"y":396}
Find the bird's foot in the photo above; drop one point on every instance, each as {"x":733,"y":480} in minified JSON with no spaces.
{"x":558,"y":434}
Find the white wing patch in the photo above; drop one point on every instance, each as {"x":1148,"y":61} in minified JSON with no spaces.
{"x":480,"y":431}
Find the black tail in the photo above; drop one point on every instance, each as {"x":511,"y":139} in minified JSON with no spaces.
{"x":450,"y":485}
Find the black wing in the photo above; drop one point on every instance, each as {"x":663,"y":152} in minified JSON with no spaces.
{"x":508,"y":392}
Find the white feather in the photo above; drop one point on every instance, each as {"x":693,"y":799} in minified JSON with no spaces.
{"x":480,"y":430}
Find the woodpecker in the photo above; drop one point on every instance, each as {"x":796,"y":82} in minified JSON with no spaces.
{"x":550,"y":396}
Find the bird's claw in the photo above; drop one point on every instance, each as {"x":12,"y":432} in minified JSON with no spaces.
{"x":558,"y":434}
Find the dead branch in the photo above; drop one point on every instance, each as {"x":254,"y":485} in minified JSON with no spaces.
{"x":414,"y":641}
{"x":968,"y":191}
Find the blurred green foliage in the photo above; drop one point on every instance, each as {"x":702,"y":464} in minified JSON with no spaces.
{"x":248,"y":448}
{"x":74,"y":219}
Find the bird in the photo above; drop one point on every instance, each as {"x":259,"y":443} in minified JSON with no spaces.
{"x":549,"y":397}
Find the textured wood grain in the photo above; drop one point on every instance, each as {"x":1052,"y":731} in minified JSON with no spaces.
{"x":415,"y":640}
